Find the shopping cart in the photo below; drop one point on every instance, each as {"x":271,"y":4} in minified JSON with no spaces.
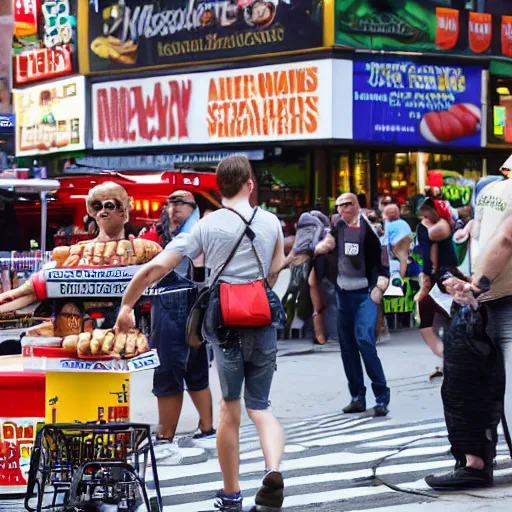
{"x":83,"y":467}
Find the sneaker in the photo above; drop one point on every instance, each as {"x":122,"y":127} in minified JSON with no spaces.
{"x":354,"y":407}
{"x":380,"y":411}
{"x":271,"y":493}
{"x":436,"y":373}
{"x":460,"y":479}
{"x":383,"y":338}
{"x":204,"y":435}
{"x":228,"y":502}
{"x":167,"y":450}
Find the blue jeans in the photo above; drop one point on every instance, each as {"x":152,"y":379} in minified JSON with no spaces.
{"x":357,"y":317}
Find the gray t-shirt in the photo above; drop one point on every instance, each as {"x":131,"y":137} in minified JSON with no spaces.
{"x":216,"y":235}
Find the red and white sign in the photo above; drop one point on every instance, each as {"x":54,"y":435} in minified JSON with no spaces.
{"x":267,"y":103}
{"x":44,"y":36}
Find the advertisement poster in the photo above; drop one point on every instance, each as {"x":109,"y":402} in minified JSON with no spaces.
{"x":130,"y":34}
{"x":44,"y":39}
{"x":6,"y":29}
{"x":406,"y":103}
{"x":440,"y":26}
{"x":16,"y":443}
{"x":267,"y":103}
{"x":50,"y":118}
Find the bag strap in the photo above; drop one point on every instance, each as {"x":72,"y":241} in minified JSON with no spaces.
{"x":247,"y":231}
{"x":251,"y":235}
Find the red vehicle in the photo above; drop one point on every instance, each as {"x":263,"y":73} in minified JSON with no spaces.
{"x":148,"y":192}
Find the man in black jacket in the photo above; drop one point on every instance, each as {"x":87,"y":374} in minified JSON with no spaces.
{"x":363,"y":276}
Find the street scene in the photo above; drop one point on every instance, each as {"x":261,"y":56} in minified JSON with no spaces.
{"x":255,"y":255}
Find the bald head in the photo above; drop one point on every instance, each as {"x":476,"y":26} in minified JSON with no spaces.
{"x":348,"y":207}
{"x":391,"y":212}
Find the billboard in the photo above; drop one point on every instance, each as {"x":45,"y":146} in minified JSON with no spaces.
{"x":412,"y":104}
{"x":433,"y":26}
{"x":266,"y":103}
{"x":50,"y":118}
{"x":123,"y":35}
{"x":44,"y":39}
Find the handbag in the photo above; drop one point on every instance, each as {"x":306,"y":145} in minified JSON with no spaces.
{"x":243,"y":305}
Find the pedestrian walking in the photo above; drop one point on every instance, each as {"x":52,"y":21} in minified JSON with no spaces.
{"x":363,"y":277}
{"x":242,"y":247}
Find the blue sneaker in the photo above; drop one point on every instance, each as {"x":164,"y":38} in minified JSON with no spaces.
{"x":228,"y":502}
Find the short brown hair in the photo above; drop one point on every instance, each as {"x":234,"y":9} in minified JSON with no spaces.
{"x":428,"y":207}
{"x":233,"y":172}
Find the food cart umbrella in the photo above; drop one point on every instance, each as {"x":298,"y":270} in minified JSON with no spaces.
{"x":32,"y":186}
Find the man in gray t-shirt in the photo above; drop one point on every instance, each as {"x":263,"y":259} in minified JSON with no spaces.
{"x":242,"y":355}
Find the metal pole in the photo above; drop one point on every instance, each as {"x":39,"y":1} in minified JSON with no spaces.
{"x":44,"y":218}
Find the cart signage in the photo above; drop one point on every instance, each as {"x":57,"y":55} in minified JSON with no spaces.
{"x":50,"y":118}
{"x":106,"y":282}
{"x":125,"y":35}
{"x":268,"y":103}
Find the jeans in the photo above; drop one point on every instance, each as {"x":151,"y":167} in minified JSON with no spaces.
{"x":357,"y":318}
{"x":499,"y":328}
{"x":180,"y":365}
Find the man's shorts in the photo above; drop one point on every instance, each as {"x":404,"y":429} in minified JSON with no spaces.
{"x":249,"y":355}
{"x":185,"y":367}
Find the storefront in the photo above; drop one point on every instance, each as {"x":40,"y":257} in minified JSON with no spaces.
{"x":285,"y":112}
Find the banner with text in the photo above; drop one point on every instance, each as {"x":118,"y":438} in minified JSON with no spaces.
{"x":267,"y":103}
{"x":44,"y":39}
{"x":51,"y":117}
{"x":441,"y":26}
{"x":414,"y":104}
{"x":130,"y":34}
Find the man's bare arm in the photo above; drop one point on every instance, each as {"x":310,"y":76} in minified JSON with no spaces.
{"x":278,"y":263}
{"x":327,"y":245}
{"x":149,"y":274}
{"x":497,"y":253}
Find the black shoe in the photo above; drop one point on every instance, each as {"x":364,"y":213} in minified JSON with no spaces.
{"x":271,"y":493}
{"x":204,"y":435}
{"x":354,"y":407}
{"x":380,"y":410}
{"x":460,"y":479}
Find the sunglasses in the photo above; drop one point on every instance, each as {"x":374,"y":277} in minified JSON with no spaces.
{"x":180,"y":202}
{"x":109,"y":204}
{"x":342,"y":205}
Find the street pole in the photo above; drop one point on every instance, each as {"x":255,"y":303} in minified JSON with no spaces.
{"x":44,"y":216}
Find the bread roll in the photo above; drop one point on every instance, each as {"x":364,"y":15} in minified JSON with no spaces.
{"x":60,"y":255}
{"x":151,"y":250}
{"x":98,"y":337}
{"x":72,"y":261}
{"x":99,"y":248}
{"x":124,"y":248}
{"x":110,"y":250}
{"x":131,"y":344}
{"x":139,"y":244}
{"x":84,"y":344}
{"x":76,"y":250}
{"x":45,"y":329}
{"x":108,"y":343}
{"x":70,"y":342}
{"x":142,"y":344}
{"x":120,"y":343}
{"x":88,"y":250}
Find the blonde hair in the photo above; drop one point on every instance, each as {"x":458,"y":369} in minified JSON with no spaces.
{"x":108,"y":190}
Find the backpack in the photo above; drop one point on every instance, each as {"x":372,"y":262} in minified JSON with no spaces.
{"x":311,"y":228}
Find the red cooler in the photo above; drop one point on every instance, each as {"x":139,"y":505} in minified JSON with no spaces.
{"x":22,"y":409}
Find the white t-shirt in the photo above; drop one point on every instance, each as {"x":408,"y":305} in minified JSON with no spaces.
{"x":217,"y":234}
{"x":493,"y":204}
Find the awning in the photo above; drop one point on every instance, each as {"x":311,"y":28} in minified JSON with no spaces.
{"x":500,"y":68}
{"x":29,"y":186}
